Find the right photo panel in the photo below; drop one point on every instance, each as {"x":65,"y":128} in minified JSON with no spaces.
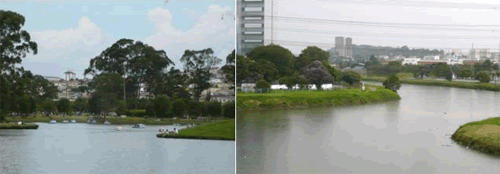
{"x":367,"y":86}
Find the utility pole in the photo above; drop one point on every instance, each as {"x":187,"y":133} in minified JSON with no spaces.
{"x":272,"y":22}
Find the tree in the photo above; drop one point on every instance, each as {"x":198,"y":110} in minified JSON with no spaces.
{"x":440,"y":70}
{"x":336,"y":74}
{"x":80,"y":104}
{"x":267,"y":69}
{"x":172,"y":83}
{"x":198,"y":65}
{"x":351,"y":77}
{"x":392,"y":83}
{"x":281,"y":57}
{"x":302,"y":82}
{"x":243,"y":68}
{"x":487,"y":65}
{"x":372,"y":62}
{"x":162,"y":106}
{"x":317,"y":74}
{"x":179,"y":107}
{"x":214,"y":108}
{"x":484,"y":76}
{"x":288,"y":81}
{"x":229,"y":68}
{"x":48,"y":106}
{"x":262,"y":85}
{"x":449,"y":76}
{"x":310,"y":54}
{"x":229,"y":110}
{"x":63,"y":106}
{"x":105,"y":97}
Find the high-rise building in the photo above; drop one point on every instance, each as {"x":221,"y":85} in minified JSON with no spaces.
{"x":250,"y":25}
{"x":339,"y":47}
{"x":348,"y":47}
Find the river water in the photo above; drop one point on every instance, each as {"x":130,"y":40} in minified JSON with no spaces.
{"x":86,"y":148}
{"x":411,"y":135}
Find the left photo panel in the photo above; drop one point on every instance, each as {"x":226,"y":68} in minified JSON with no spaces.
{"x":117,"y":86}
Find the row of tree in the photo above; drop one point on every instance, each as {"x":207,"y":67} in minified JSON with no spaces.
{"x":274,"y":63}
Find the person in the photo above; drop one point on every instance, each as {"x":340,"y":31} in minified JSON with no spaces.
{"x":175,"y":131}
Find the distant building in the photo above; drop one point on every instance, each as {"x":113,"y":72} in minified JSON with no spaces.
{"x":410,"y":61}
{"x":339,"y":47}
{"x":348,"y":48}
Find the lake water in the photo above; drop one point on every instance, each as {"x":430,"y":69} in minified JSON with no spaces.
{"x":411,"y":135}
{"x":86,"y":148}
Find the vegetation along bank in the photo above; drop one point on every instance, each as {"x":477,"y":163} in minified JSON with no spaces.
{"x":306,"y":98}
{"x":18,"y":126}
{"x":223,"y":130}
{"x":483,"y":136}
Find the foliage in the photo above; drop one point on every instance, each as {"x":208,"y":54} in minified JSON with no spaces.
{"x":137,"y":113}
{"x":351,"y":77}
{"x":243,"y":68}
{"x":288,"y":81}
{"x":229,"y":68}
{"x":484,"y":76}
{"x":48,"y":106}
{"x":121,"y":109}
{"x":223,"y":130}
{"x":262,"y":85}
{"x":229,"y":110}
{"x":317,"y":74}
{"x":302,"y":82}
{"x":63,"y":106}
{"x":198,"y":65}
{"x":281,"y":57}
{"x":162,"y":106}
{"x":214,"y":109}
{"x":449,"y":76}
{"x":179,"y":107}
{"x":308,"y":55}
{"x":392,"y":83}
{"x":105,"y":95}
{"x":267,"y":69}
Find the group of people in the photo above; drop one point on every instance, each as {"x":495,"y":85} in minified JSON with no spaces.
{"x":175,"y":131}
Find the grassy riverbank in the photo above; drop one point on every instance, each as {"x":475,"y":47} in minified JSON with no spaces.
{"x":223,"y":130}
{"x":408,"y":80}
{"x":112,"y":120}
{"x":483,"y":136}
{"x":302,"y":99}
{"x":18,"y":126}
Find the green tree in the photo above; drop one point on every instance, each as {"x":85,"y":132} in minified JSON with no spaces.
{"x":63,"y":106}
{"x":310,"y":54}
{"x":262,"y":85}
{"x":214,"y":109}
{"x":162,"y":106}
{"x":179,"y":107}
{"x":317,"y":74}
{"x":243,"y":68}
{"x":281,"y":57}
{"x":229,"y":68}
{"x":267,"y":69}
{"x":351,"y":77}
{"x":392,"y":83}
{"x":449,"y":76}
{"x":198,"y":65}
{"x":48,"y":106}
{"x":229,"y":110}
{"x":80,"y":104}
{"x":484,"y":76}
{"x":288,"y":81}
{"x":302,"y":82}
{"x":105,"y":97}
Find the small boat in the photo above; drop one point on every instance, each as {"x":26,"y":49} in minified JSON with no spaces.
{"x":53,"y":122}
{"x":119,"y":128}
{"x":93,"y":121}
{"x":140,"y":125}
{"x":65,"y":121}
{"x":107,"y":122}
{"x":73,"y":121}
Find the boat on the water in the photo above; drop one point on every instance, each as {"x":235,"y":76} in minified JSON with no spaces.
{"x":73,"y":121}
{"x":140,"y":125}
{"x":119,"y":128}
{"x":52,"y":121}
{"x":65,"y":121}
{"x":107,"y":122}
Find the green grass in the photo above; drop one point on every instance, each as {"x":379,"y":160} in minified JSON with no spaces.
{"x":483,"y":136}
{"x":17,"y":126}
{"x":406,"y":79}
{"x":312,"y":98}
{"x":112,"y":120}
{"x":223,"y":130}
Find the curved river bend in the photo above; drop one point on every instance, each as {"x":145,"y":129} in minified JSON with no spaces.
{"x":86,"y":148}
{"x":411,"y":135}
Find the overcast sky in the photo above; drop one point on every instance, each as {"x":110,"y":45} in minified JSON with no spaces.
{"x":70,"y":33}
{"x":433,"y":23}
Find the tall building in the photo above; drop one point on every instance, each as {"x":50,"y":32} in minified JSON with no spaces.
{"x":348,"y":47}
{"x":339,"y":47}
{"x":250,"y":25}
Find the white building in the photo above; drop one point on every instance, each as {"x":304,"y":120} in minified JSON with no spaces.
{"x":431,"y":58}
{"x":411,"y":61}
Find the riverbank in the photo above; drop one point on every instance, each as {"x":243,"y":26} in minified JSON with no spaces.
{"x":311,"y":98}
{"x":468,"y":85}
{"x":111,"y":119}
{"x":18,"y":126}
{"x":483,"y":136}
{"x":223,"y":130}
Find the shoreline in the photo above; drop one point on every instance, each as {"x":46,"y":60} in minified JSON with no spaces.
{"x":113,"y":120}
{"x":18,"y":126}
{"x":429,"y":82}
{"x":222,"y":130}
{"x":482,"y":136}
{"x":309,"y":99}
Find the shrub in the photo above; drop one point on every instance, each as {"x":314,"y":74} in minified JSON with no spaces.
{"x":351,"y":77}
{"x":392,"y":82}
{"x":229,"y":110}
{"x":262,"y":85}
{"x":137,"y":112}
{"x":214,"y":109}
{"x":483,"y":76}
{"x":162,"y":106}
{"x":449,"y":76}
{"x":179,"y":107}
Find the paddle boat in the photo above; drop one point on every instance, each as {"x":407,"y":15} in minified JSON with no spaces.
{"x":119,"y":128}
{"x":65,"y":121}
{"x":107,"y":122}
{"x":73,"y":121}
{"x":140,"y":125}
{"x":53,"y":122}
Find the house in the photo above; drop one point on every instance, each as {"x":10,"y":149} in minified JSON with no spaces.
{"x":410,"y":61}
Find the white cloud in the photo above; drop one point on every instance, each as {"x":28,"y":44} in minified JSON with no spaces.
{"x":209,"y":31}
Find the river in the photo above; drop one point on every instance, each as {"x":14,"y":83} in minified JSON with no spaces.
{"x":411,"y":135}
{"x":87,"y":148}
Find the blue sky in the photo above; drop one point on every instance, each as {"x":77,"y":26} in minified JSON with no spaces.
{"x":70,"y":33}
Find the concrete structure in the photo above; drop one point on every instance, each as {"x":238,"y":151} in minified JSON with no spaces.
{"x":250,"y":25}
{"x":411,"y":61}
{"x":431,"y":58}
{"x":339,"y":47}
{"x":348,"y":47}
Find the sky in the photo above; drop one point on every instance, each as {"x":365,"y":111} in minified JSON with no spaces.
{"x":70,"y":33}
{"x":433,"y":24}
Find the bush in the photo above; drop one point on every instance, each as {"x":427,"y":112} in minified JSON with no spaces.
{"x":229,"y":110}
{"x":392,"y":82}
{"x":262,"y":85}
{"x":179,"y":107}
{"x":195,"y":108}
{"x":351,"y":77}
{"x":121,"y":109}
{"x":162,"y":106}
{"x":214,"y":109}
{"x":483,"y":77}
{"x":449,"y":76}
{"x":137,"y":112}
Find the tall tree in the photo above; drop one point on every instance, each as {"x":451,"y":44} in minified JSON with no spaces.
{"x":310,"y":54}
{"x":105,"y":95}
{"x":198,"y":65}
{"x":229,"y":68}
{"x":317,"y":74}
{"x":281,"y":57}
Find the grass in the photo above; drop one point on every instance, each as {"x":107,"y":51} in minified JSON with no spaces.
{"x":301,"y":99}
{"x":112,"y":120}
{"x":223,"y":130}
{"x":407,"y":79}
{"x":17,"y":126}
{"x":483,"y":136}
